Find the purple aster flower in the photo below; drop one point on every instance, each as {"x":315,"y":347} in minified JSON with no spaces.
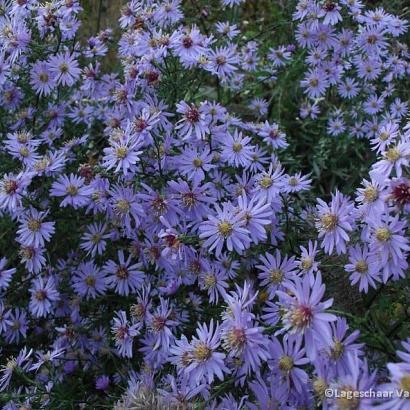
{"x":363,"y":267}
{"x":123,"y":153}
{"x":257,"y":215}
{"x":33,"y":231}
{"x":260,"y":106}
{"x":226,"y":227}
{"x":43,"y":294}
{"x":243,"y":340}
{"x":305,"y":314}
{"x":42,"y":79}
{"x":334,"y":222}
{"x":400,"y":193}
{"x":89,"y":281}
{"x":394,"y":158}
{"x":46,"y":358}
{"x":269,"y":184}
{"x":124,"y":334}
{"x":194,"y":121}
{"x":5,"y":318}
{"x":21,"y":363}
{"x":18,"y":326}
{"x":94,"y":240}
{"x":12,"y":190}
{"x":343,"y":346}
{"x":285,"y":363}
{"x":194,"y":164}
{"x":275,"y":271}
{"x":356,"y":379}
{"x":32,"y":258}
{"x":65,"y":68}
{"x":205,"y":361}
{"x":73,"y":189}
{"x":236,"y":149}
{"x":223,"y":61}
{"x":5,"y":274}
{"x":213,"y":280}
{"x":160,"y":323}
{"x":388,"y":242}
{"x":272,"y":135}
{"x":307,"y":264}
{"x":296,"y":183}
{"x":123,"y":277}
{"x":315,"y":83}
{"x":125,"y":206}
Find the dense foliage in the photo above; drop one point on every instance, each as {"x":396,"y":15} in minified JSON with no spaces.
{"x":204,"y":207}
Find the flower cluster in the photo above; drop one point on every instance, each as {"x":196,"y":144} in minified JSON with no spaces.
{"x":156,"y":237}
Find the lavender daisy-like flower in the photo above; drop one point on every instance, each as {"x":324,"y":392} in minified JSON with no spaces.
{"x":124,"y":334}
{"x":194,"y":121}
{"x":43,"y":80}
{"x":343,"y":346}
{"x":205,"y":361}
{"x":123,"y":153}
{"x":73,"y":189}
{"x":227,"y":227}
{"x":18,"y":326}
{"x":123,"y":276}
{"x":213,"y":280}
{"x":388,"y":242}
{"x":305,"y":314}
{"x":12,"y":189}
{"x":268,"y":185}
{"x":275,"y":270}
{"x":43,"y":294}
{"x":20,"y":363}
{"x":89,"y":281}
{"x":272,"y":135}
{"x":5,"y":274}
{"x":33,"y":231}
{"x":94,"y":240}
{"x":257,"y":215}
{"x":363,"y":267}
{"x":334,"y":222}
{"x":65,"y":68}
{"x":243,"y":340}
{"x":194,"y":163}
{"x":285,"y":363}
{"x":236,"y":150}
{"x":160,"y":323}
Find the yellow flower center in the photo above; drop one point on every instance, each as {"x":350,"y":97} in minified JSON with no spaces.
{"x":72,"y":190}
{"x":90,"y":281}
{"x":361,"y":266}
{"x":225,"y":228}
{"x":337,"y":349}
{"x":329,"y":221}
{"x":197,"y":162}
{"x":393,"y":154}
{"x":276,"y":276}
{"x":123,"y":205}
{"x":121,"y":152}
{"x":405,"y":383}
{"x":286,"y":364}
{"x":383,"y":234}
{"x":209,"y":280}
{"x":370,"y":193}
{"x":237,"y":147}
{"x":34,"y":225}
{"x":202,"y":352}
{"x":319,"y":387}
{"x":306,"y":263}
{"x":266,"y":182}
